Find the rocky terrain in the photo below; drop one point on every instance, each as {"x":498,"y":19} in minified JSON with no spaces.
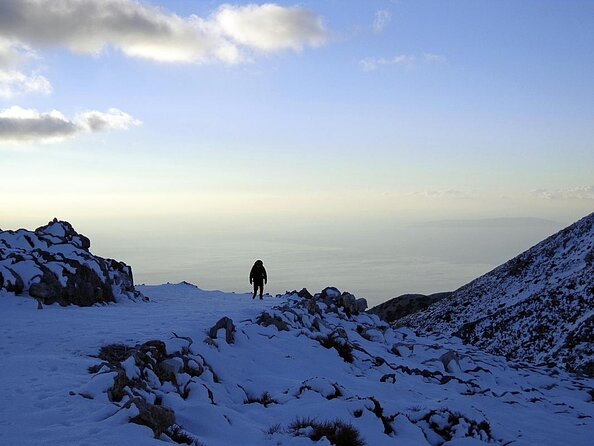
{"x":54,"y":265}
{"x":405,"y":304}
{"x":315,"y":369}
{"x":537,"y":307}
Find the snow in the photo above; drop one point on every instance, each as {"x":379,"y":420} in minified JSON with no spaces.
{"x":50,"y":398}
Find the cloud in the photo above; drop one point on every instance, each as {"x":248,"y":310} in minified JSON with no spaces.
{"x":20,"y":125}
{"x":408,"y":61}
{"x":13,"y":81}
{"x":270,"y":27}
{"x":381,"y":20}
{"x":572,"y":193}
{"x":373,"y":63}
{"x":434,"y":58}
{"x":228,"y":35}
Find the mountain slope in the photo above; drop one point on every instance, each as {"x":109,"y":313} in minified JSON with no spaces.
{"x":537,"y":307}
{"x":405,"y":304}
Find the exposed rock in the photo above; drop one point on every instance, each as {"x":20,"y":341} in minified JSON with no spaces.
{"x":330,"y":293}
{"x":450,"y":361}
{"x":227,"y":324}
{"x":361,"y":304}
{"x":158,"y":418}
{"x":304,"y":294}
{"x":54,"y":264}
{"x":266,"y":319}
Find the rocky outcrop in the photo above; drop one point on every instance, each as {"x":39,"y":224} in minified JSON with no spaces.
{"x":537,"y":307}
{"x":405,"y":304}
{"x":54,"y":265}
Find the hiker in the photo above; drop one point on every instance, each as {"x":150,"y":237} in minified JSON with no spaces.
{"x":258,"y":277}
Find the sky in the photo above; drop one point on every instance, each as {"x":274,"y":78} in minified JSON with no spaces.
{"x":310,"y":120}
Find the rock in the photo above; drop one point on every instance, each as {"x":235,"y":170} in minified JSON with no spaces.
{"x":361,"y":304}
{"x":312,"y":307}
{"x":450,"y":361}
{"x":304,"y":294}
{"x":265,"y":320}
{"x":116,"y":393}
{"x":172,"y":365}
{"x":389,"y":377}
{"x":401,"y":350}
{"x":329,"y":293}
{"x":227,"y":324}
{"x":158,"y":418}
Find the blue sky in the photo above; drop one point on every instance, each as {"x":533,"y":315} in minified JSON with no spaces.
{"x":375,"y":112}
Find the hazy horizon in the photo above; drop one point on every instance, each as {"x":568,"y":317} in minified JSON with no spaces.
{"x":378,"y":263}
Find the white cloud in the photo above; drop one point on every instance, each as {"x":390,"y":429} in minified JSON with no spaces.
{"x":381,"y":20}
{"x":572,"y":193}
{"x":140,"y":30}
{"x":13,"y":81}
{"x":373,"y":63}
{"x":20,"y":125}
{"x":434,"y":58}
{"x":408,"y":61}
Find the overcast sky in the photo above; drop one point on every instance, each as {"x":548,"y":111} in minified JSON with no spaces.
{"x":282,"y":112}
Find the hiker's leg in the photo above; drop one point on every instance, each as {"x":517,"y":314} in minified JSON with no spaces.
{"x":261,"y":290}
{"x":255,"y":290}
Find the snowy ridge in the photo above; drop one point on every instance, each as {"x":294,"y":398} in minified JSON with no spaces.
{"x":54,"y":264}
{"x":537,"y":307}
{"x":275,"y":378}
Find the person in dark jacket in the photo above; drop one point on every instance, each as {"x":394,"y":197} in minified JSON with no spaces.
{"x":258,"y":277}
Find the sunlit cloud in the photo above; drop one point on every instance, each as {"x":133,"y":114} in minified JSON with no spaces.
{"x":572,"y":193}
{"x":229,"y":35}
{"x":20,"y":125}
{"x":381,"y":20}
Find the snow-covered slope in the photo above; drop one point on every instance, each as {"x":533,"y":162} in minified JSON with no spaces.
{"x":54,"y":264}
{"x":537,"y":307}
{"x":292,"y":364}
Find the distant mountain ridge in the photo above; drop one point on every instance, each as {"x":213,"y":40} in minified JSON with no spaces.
{"x":406,"y":304}
{"x":537,"y":307}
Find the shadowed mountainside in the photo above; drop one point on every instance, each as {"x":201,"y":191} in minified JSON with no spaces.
{"x":406,"y":304}
{"x":537,"y":307}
